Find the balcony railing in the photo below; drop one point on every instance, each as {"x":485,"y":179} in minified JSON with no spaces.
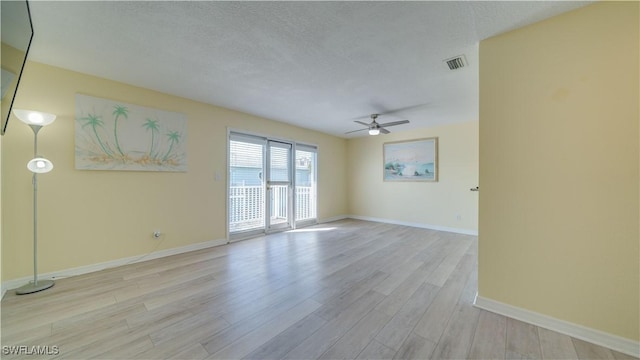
{"x":246,"y":206}
{"x":305,"y":203}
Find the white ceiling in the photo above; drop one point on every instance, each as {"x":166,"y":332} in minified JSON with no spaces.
{"x":318,"y":65}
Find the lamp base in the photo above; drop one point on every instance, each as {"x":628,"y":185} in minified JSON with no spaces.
{"x":30,"y":288}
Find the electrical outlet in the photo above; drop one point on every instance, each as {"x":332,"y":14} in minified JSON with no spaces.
{"x":458,"y":217}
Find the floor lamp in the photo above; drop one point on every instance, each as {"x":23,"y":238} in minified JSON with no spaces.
{"x":38,"y":165}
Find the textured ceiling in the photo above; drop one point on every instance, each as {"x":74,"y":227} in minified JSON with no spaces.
{"x":319,"y":65}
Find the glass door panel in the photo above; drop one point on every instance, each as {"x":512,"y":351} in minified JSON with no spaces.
{"x":246,"y":185}
{"x":279,"y":185}
{"x":305,"y":184}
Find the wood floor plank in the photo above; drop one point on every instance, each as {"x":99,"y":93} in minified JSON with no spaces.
{"x":187,"y":323}
{"x":415,"y":347}
{"x":262,"y":334}
{"x":184,"y":336}
{"x":26,"y":336}
{"x":332,"y":307}
{"x":359,"y":269}
{"x":128,"y":350}
{"x":195,"y":352}
{"x":455,"y":342}
{"x":449,"y":263}
{"x":555,"y":345}
{"x":397,"y":276}
{"x":237,"y":302}
{"x":396,"y":300}
{"x":331,"y":332}
{"x":284,"y":342}
{"x":157,"y":319}
{"x":218,"y":341}
{"x":91,"y":342}
{"x":587,"y":350}
{"x":400,"y":326}
{"x":358,"y":337}
{"x":111,"y":313}
{"x":248,"y":306}
{"x":376,"y":351}
{"x":621,"y":356}
{"x":356,"y":289}
{"x":522,"y":340}
{"x":200,"y":285}
{"x":435,"y":319}
{"x":490,"y":338}
{"x":58,"y":311}
{"x":417,"y":241}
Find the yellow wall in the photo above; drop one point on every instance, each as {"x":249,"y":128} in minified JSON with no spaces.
{"x":559,"y":168}
{"x":431,"y":204}
{"x":88,"y":217}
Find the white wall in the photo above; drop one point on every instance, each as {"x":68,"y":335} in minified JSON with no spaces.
{"x":446,"y":205}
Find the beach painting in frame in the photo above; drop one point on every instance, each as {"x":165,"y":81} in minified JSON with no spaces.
{"x":114,"y":135}
{"x":412,"y":160}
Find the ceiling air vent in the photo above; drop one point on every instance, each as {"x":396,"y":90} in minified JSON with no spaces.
{"x":456,"y":63}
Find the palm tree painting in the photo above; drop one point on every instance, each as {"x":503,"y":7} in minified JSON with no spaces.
{"x":174,"y":137}
{"x":113,"y":135}
{"x":118,"y":111}
{"x":151,"y":125}
{"x":95,"y":122}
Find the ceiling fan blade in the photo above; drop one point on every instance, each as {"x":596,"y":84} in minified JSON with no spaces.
{"x":349,"y":132}
{"x":384,"y":131}
{"x":362,"y":123}
{"x":394,"y":123}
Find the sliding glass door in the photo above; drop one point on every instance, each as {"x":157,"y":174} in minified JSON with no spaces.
{"x":272,"y":185}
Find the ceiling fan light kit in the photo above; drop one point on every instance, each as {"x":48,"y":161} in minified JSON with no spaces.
{"x":375,"y":128}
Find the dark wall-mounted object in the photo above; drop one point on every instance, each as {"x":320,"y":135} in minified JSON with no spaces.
{"x":17,"y":33}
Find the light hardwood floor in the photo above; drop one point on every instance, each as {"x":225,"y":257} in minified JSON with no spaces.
{"x":343,"y":290}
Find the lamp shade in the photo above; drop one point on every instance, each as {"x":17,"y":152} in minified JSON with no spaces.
{"x":31,"y":117}
{"x":374,"y":131}
{"x":40,"y":165}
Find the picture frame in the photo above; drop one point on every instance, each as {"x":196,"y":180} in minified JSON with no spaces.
{"x":114,"y":135}
{"x":411,"y":160}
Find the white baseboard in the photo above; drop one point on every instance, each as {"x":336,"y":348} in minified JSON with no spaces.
{"x":418,"y":225}
{"x":614,"y":342}
{"x":15,"y":283}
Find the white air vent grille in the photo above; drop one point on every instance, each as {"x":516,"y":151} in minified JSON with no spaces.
{"x":456,"y":63}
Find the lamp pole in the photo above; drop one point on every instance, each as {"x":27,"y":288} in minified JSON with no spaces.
{"x":35,"y":129}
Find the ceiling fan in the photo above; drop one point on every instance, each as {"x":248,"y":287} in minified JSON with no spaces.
{"x":375,"y":128}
